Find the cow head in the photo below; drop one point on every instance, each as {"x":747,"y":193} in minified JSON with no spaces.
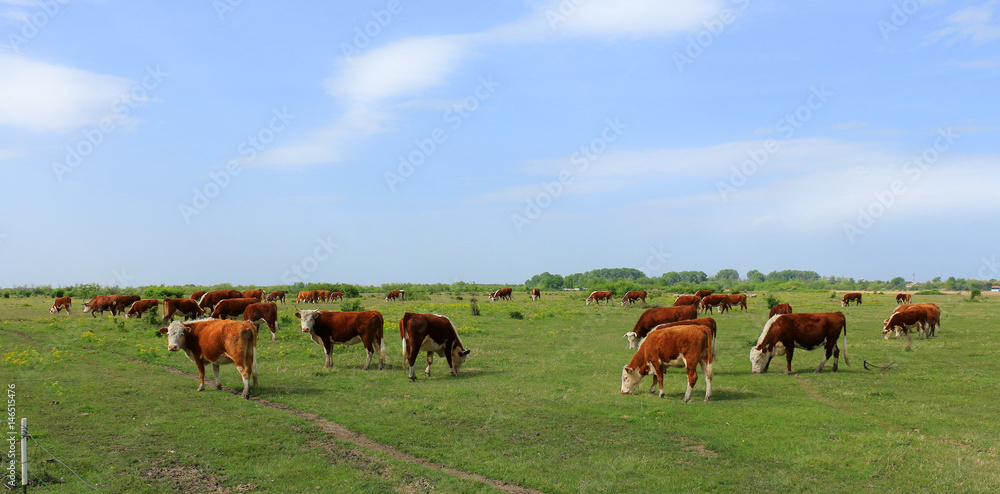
{"x":175,"y":335}
{"x":630,"y":379}
{"x":887,"y":328}
{"x":54,"y":309}
{"x":308,"y":318}
{"x":633,"y":339}
{"x":458,"y":357}
{"x":759,"y":357}
{"x":86,"y":307}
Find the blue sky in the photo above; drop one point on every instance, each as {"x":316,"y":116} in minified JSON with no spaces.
{"x":394,"y":141}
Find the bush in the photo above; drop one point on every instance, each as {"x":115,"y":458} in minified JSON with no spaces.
{"x":162,"y":292}
{"x":516,"y":315}
{"x":474,"y":306}
{"x":770,"y":300}
{"x":929,"y":292}
{"x":353,"y":305}
{"x":459,"y":297}
{"x":59,"y":293}
{"x":975,"y":293}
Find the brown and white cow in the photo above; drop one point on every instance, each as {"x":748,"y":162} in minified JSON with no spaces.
{"x":185,"y":306}
{"x":60,"y":304}
{"x":276,"y":296}
{"x":687,"y":300}
{"x":634,"y":341}
{"x":345,"y":328}
{"x":231,"y":307}
{"x":597,"y":296}
{"x":266,"y":311}
{"x":434,"y":334}
{"x":779,"y":309}
{"x":323,"y":295}
{"x":257,"y":294}
{"x":784,"y":333}
{"x":656,"y":316}
{"x":123,"y":302}
{"x":218,"y":343}
{"x":336,"y":296}
{"x":933,"y":316}
{"x":902,"y":298}
{"x":925,"y":317}
{"x":307,"y":296}
{"x":502,"y":294}
{"x":393,"y":295}
{"x":631,"y":296}
{"x":197,"y":295}
{"x":685,"y":346}
{"x":738,"y":300}
{"x":536,"y":294}
{"x":703,"y":293}
{"x":138,"y":308}
{"x":99,"y":303}
{"x":208,"y":301}
{"x":851,"y":297}
{"x":711,"y":301}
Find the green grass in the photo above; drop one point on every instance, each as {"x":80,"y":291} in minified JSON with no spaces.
{"x":537,"y":404}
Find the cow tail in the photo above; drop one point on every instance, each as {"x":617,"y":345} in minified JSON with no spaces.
{"x":402,"y":325}
{"x":848,"y":362}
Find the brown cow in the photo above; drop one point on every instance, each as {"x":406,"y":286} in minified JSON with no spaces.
{"x":634,"y":341}
{"x":336,"y":296}
{"x":307,"y":296}
{"x":218,"y":343}
{"x":393,"y":295}
{"x":687,"y":300}
{"x":231,"y":307}
{"x":266,"y":311}
{"x":785,"y":332}
{"x":933,"y":315}
{"x":902,"y":298}
{"x":711,"y":301}
{"x":739,"y":300}
{"x":926,"y":317}
{"x":502,"y":294}
{"x":430,"y":333}
{"x":323,"y":295}
{"x":703,"y":293}
{"x":536,"y":294}
{"x":632,"y":296}
{"x":779,"y":309}
{"x":99,"y":303}
{"x":197,"y":295}
{"x":679,"y":346}
{"x":257,"y":294}
{"x":187,"y":307}
{"x":208,"y":301}
{"x":660,"y":315}
{"x":345,"y":328}
{"x":597,"y":296}
{"x":138,"y":308}
{"x":851,"y":297}
{"x":60,"y":304}
{"x":276,"y":295}
{"x":122,"y":302}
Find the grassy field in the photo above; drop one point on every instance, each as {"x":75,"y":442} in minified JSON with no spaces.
{"x":537,"y":406}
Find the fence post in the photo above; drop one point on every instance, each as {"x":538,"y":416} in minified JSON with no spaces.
{"x":24,"y":454}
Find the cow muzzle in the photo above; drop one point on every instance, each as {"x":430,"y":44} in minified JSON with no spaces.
{"x":172,"y":348}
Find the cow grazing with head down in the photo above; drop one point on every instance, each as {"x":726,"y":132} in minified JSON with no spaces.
{"x":208,"y":301}
{"x":323,"y":295}
{"x":634,"y":341}
{"x":99,"y":303}
{"x":738,"y":300}
{"x":140,"y":307}
{"x":345,"y":328}
{"x":265,"y":311}
{"x":257,"y":294}
{"x":218,"y":343}
{"x":851,"y":297}
{"x":720,"y":300}
{"x":779,"y":309}
{"x":925,"y":317}
{"x":60,"y":304}
{"x":902,"y":298}
{"x":431,"y":333}
{"x":185,"y":306}
{"x":197,"y":295}
{"x":687,"y":300}
{"x":336,"y":296}
{"x":784,"y":333}
{"x":231,"y":307}
{"x":678,"y":346}
{"x":652,"y":318}
{"x":597,"y":296}
{"x":123,"y":302}
{"x":632,"y":296}
{"x":536,"y":294}
{"x":393,"y":295}
{"x":276,"y":296}
{"x":502,"y":294}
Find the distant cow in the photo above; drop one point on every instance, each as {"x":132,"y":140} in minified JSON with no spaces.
{"x":276,"y":296}
{"x":99,"y":303}
{"x":738,"y":300}
{"x":345,"y":328}
{"x":216,"y":342}
{"x":632,"y":296}
{"x":208,"y":301}
{"x":231,"y":307}
{"x":393,"y":295}
{"x":266,"y":311}
{"x":536,"y":294}
{"x":308,"y":296}
{"x":185,"y":306}
{"x":652,"y":318}
{"x":336,"y":296}
{"x":703,"y":293}
{"x":851,"y":297}
{"x":784,"y":333}
{"x":60,"y":304}
{"x":679,"y":346}
{"x":138,"y":308}
{"x":687,"y":300}
{"x":779,"y":309}
{"x":197,"y":295}
{"x":902,"y":298}
{"x":711,"y":301}
{"x":257,"y":294}
{"x":430,"y":333}
{"x":122,"y":302}
{"x":502,"y":294}
{"x":597,"y":296}
{"x":634,"y":341}
{"x":926,"y":317}
{"x":323,"y":295}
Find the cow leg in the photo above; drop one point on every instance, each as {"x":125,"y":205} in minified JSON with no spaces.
{"x":411,"y":359}
{"x":215,"y":370}
{"x":788,"y":357}
{"x":328,"y":349}
{"x":201,"y":374}
{"x":381,"y":354}
{"x":430,"y":359}
{"x":707,"y":370}
{"x":909,"y":341}
{"x":692,"y":372}
{"x":659,"y":379}
{"x":245,"y":374}
{"x":836,"y":356}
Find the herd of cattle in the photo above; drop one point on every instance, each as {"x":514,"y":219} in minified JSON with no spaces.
{"x":662,"y":337}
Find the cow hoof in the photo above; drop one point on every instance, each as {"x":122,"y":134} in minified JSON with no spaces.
{"x":413,"y":379}
{"x":218,"y":386}
{"x":201,"y":388}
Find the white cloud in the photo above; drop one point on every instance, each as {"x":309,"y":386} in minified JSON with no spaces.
{"x":635,"y":18}
{"x":46,"y":97}
{"x":975,"y":23}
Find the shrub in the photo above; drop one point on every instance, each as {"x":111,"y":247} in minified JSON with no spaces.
{"x":459,"y":297}
{"x":152,"y":317}
{"x":353,"y":305}
{"x":770,"y":300}
{"x":474,"y":306}
{"x":975,"y":293}
{"x":929,"y":292}
{"x":162,"y":292}
{"x":516,"y":315}
{"x":59,"y":293}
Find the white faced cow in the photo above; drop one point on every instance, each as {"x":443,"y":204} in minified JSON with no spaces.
{"x":678,"y":346}
{"x":216,"y":342}
{"x":345,"y":328}
{"x":784,"y":333}
{"x":431,"y":333}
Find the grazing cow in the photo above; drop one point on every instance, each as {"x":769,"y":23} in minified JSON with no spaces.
{"x":933,"y":315}
{"x":502,"y":294}
{"x":187,"y":307}
{"x":596,"y":297}
{"x":536,"y":294}
{"x":122,"y":302}
{"x":679,"y":346}
{"x":257,"y":294}
{"x":393,"y":295}
{"x":218,"y":343}
{"x":632,"y":296}
{"x":634,"y":341}
{"x":902,"y":298}
{"x":208,"y":301}
{"x":60,"y":304}
{"x":308,"y":296}
{"x":323,"y":295}
{"x":703,"y":293}
{"x":687,"y":300}
{"x":779,"y":309}
{"x":851,"y":297}
{"x":738,"y":300}
{"x":99,"y":303}
{"x":784,"y":333}
{"x":430,"y":333}
{"x":266,"y":311}
{"x":926,"y":316}
{"x":345,"y":328}
{"x":138,"y":308}
{"x":276,"y":296}
{"x":336,"y":296}
{"x":711,"y":301}
{"x":231,"y":307}
{"x":652,"y":318}
{"x":197,"y":295}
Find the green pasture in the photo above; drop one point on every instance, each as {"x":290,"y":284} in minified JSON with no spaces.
{"x":537,"y":406}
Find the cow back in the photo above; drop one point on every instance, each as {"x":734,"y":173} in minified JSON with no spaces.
{"x":661,"y":315}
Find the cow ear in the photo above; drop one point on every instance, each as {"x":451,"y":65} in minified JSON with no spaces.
{"x":465,"y":353}
{"x":298,"y":315}
{"x":163,"y":330}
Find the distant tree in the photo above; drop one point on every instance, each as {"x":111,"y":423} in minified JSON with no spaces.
{"x":616,"y":274}
{"x":897,"y":283}
{"x":755,"y":276}
{"x":937,"y":279}
{"x":727,"y":275}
